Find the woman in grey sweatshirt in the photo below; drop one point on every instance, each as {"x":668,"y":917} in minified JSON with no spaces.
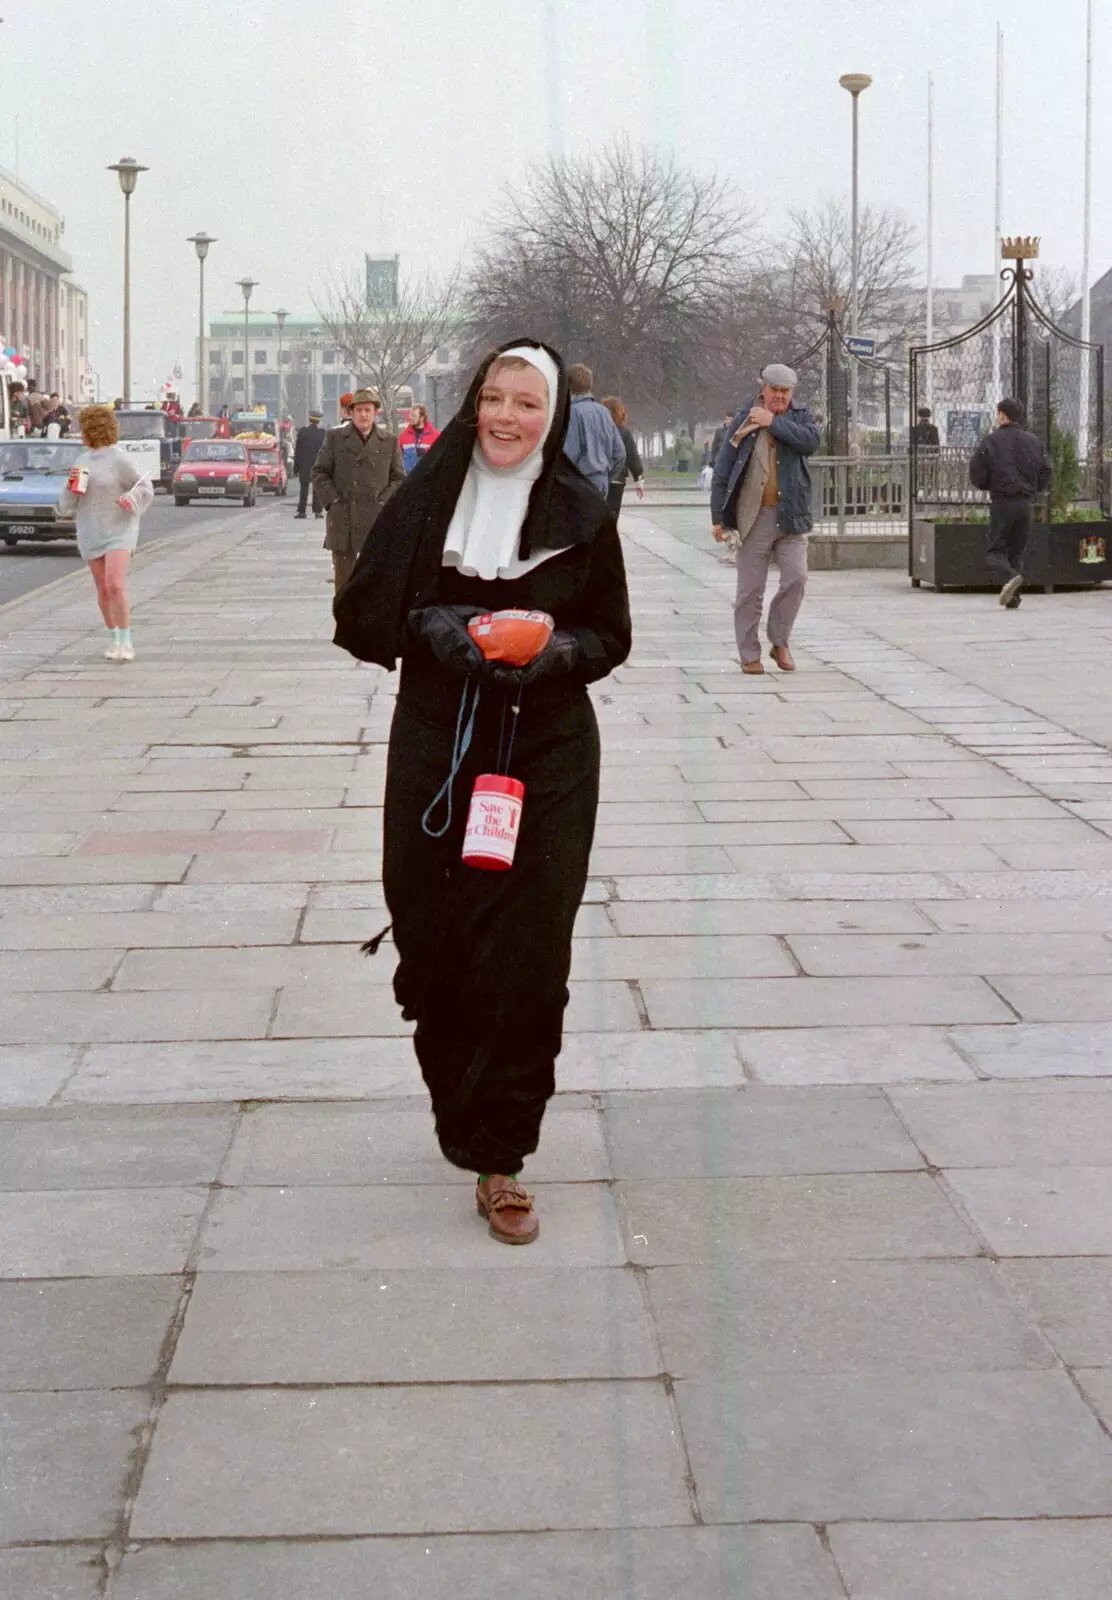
{"x":110,"y":497}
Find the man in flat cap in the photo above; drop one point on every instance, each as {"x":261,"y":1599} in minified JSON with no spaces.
{"x":760,"y":504}
{"x":357,"y":471}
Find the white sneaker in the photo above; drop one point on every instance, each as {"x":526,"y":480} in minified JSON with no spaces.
{"x":113,"y":652}
{"x":125,"y":652}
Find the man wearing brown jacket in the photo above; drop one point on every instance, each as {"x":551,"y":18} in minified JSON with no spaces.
{"x":358,"y":469}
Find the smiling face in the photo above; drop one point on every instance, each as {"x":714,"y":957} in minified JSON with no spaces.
{"x":513,"y":414}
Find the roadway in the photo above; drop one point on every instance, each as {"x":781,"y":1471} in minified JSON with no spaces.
{"x":28,"y":566}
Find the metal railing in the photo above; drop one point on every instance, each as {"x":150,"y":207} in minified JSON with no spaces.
{"x":852,"y":493}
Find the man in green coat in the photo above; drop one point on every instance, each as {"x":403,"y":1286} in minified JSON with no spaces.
{"x":358,"y":469}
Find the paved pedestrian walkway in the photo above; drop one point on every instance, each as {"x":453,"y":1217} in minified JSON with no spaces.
{"x":822,"y":1301}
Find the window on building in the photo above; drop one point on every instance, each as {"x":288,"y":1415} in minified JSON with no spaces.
{"x":237,"y":358}
{"x":329,"y":358}
{"x":443,"y":357}
{"x":215,"y":357}
{"x":260,"y":358}
{"x":81,"y":347}
{"x":286,"y":357}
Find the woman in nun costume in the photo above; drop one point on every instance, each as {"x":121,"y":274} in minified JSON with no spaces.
{"x":494,"y":517}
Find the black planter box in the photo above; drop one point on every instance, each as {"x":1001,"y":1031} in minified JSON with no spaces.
{"x":952,"y":555}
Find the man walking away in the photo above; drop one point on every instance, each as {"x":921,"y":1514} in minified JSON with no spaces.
{"x":305,"y":452}
{"x":924,"y":435}
{"x":357,"y":471}
{"x":1012,"y":464}
{"x":760,"y":500}
{"x":593,"y":442}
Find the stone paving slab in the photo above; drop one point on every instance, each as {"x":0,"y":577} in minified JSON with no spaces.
{"x":998,"y":1125}
{"x":1071,"y":1300}
{"x":71,"y":1572}
{"x":124,"y":1148}
{"x":277,"y":1146}
{"x":84,"y":1333}
{"x":31,"y":1077}
{"x":311,"y":1069}
{"x":760,"y":1563}
{"x":852,"y":1317}
{"x":755,"y":1133}
{"x":1040,"y":1211}
{"x":400,"y":1326}
{"x":307,"y":1229}
{"x":856,"y":1216}
{"x":211,"y":1469}
{"x":928,"y":1447}
{"x":814,"y":1056}
{"x":975,"y":1560}
{"x":97,"y":1233}
{"x":821,"y":1002}
{"x":65,"y":1460}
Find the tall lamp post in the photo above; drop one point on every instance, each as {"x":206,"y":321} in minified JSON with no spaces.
{"x":855,"y":83}
{"x":200,"y":243}
{"x":127,"y":170}
{"x":280,"y":318}
{"x":246,"y":284}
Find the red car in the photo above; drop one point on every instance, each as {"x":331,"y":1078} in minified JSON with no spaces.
{"x":270,"y":466}
{"x":214,"y":469}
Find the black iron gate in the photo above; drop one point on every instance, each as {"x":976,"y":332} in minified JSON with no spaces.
{"x":1016,"y":350}
{"x":825,"y":372}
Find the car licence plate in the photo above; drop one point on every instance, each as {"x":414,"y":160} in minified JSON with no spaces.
{"x":23,"y":530}
{"x":212,"y":488}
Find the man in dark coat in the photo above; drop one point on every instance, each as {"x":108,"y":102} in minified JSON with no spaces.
{"x":1012,"y":464}
{"x":358,"y":469}
{"x":305,"y":453}
{"x":924,"y":435}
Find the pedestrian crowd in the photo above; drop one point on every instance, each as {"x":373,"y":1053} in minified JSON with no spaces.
{"x":485,"y":562}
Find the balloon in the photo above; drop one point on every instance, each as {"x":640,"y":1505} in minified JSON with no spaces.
{"x":10,"y":351}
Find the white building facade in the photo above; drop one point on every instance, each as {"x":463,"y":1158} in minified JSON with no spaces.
{"x":42,"y":315}
{"x":313,"y":372}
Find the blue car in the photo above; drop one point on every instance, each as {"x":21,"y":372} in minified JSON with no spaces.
{"x":33,"y":473}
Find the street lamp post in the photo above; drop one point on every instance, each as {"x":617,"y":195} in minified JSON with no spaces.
{"x":200,"y":243}
{"x":246,"y":284}
{"x":280,"y":318}
{"x":856,"y":83}
{"x":127,"y":170}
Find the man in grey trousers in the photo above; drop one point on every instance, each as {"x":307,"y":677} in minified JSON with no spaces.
{"x":760,"y":502}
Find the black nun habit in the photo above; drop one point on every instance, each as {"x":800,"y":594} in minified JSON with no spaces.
{"x":484,"y":956}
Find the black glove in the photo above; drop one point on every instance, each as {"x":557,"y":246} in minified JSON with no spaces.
{"x":560,"y":656}
{"x":442,"y":631}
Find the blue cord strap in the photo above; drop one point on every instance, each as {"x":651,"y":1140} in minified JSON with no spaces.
{"x":461,"y":744}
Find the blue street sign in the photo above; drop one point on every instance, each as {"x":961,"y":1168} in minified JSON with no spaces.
{"x":858,"y":345}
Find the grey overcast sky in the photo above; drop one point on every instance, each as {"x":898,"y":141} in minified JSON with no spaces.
{"x":302,"y":134}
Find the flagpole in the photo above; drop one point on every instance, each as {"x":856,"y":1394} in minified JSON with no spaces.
{"x":930,"y":233}
{"x":1086,"y":239}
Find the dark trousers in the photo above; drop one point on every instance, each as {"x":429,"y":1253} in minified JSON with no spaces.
{"x":1009,"y":528}
{"x":614,"y":498}
{"x":303,"y":497}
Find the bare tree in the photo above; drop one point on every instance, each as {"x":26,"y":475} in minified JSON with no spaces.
{"x":1058,"y":292}
{"x":388,"y":345}
{"x":621,"y":259}
{"x":815,"y":267}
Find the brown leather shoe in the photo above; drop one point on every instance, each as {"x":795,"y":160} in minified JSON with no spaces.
{"x":782,"y":657}
{"x":753,"y":667}
{"x":508,"y":1209}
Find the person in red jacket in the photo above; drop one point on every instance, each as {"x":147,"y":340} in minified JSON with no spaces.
{"x":418,"y":438}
